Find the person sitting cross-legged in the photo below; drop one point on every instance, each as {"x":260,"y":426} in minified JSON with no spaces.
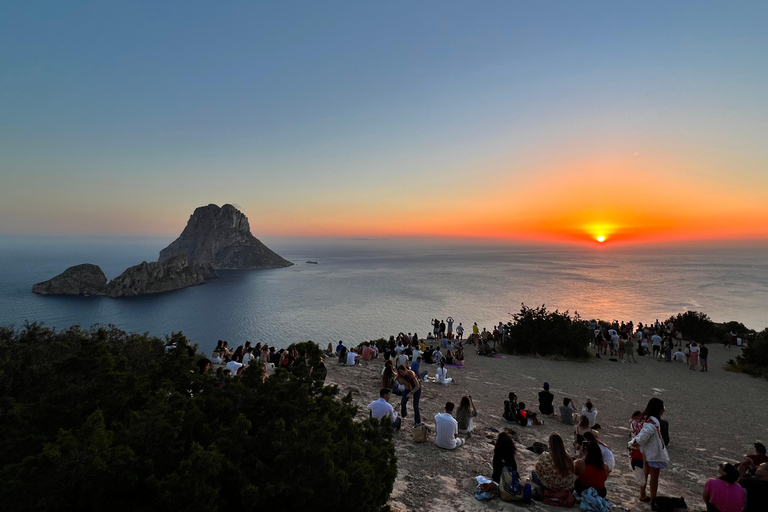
{"x":447,"y":429}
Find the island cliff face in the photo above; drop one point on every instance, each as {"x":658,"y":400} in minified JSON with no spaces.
{"x":215,"y":238}
{"x":221,"y":237}
{"x":157,"y":277}
{"x":85,"y":279}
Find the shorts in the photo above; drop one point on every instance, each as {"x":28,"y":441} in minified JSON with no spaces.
{"x":659,"y":465}
{"x":703,"y":360}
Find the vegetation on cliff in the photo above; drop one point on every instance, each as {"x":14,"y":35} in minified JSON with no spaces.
{"x":547,"y":333}
{"x":105,"y":420}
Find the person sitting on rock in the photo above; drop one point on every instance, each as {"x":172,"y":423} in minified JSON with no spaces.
{"x":511,"y":408}
{"x":441,"y":377}
{"x":381,"y":409}
{"x":545,"y":400}
{"x":447,"y":429}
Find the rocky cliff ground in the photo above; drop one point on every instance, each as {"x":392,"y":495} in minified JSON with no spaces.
{"x":221,"y":237}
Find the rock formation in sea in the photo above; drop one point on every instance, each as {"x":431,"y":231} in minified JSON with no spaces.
{"x":160,"y":276}
{"x":85,"y":279}
{"x":221,"y":237}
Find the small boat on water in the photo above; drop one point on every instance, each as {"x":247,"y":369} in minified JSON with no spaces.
{"x":312,"y":262}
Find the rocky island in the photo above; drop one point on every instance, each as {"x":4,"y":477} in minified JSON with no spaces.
{"x":221,"y":237}
{"x":214,"y":238}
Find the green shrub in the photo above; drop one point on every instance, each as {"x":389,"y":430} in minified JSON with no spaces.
{"x":104,"y":420}
{"x":754,"y":357}
{"x":538,"y":331}
{"x":696,"y":326}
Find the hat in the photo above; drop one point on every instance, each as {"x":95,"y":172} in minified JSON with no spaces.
{"x":546,"y":386}
{"x":760,"y":447}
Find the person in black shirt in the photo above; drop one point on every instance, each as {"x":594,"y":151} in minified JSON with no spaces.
{"x":703,"y":353}
{"x":503,"y":455}
{"x":757,"y":489}
{"x":545,"y":400}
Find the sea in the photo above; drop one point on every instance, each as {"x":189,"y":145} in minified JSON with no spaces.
{"x":363,"y":289}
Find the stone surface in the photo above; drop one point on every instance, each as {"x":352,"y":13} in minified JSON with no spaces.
{"x":85,"y":279}
{"x":157,"y":277}
{"x":221,"y":237}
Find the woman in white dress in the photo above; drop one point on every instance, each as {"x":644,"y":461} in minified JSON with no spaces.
{"x":441,"y":376}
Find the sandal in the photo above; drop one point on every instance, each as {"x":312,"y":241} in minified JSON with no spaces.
{"x":645,"y":500}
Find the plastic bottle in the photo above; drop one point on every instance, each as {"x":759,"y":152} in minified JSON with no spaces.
{"x":527,"y":493}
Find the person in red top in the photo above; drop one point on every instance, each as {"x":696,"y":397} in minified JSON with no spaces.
{"x":591,"y":470}
{"x":759,"y":457}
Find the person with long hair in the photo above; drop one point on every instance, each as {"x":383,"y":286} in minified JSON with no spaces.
{"x":503,"y":455}
{"x":591,"y":470}
{"x":554,"y":469}
{"x":465,"y":413}
{"x":388,"y":375}
{"x":650,"y":442}
{"x":578,"y":432}
{"x":723,"y":494}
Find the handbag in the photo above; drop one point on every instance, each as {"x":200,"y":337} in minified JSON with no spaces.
{"x":420,"y":433}
{"x":561,"y":498}
{"x":510,"y":488}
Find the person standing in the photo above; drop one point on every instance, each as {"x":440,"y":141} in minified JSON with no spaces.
{"x":447,"y":429}
{"x":449,"y":322}
{"x":650,"y":442}
{"x":475,"y":329}
{"x":410,"y":382}
{"x":693,"y":357}
{"x":703,"y":355}
{"x":460,"y":331}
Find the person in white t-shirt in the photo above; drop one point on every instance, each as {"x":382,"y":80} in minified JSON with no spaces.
{"x":352,"y":356}
{"x":381,"y":408}
{"x":590,"y":411}
{"x":679,"y":356}
{"x":402,"y":360}
{"x":447,"y":429}
{"x":441,"y":377}
{"x":233,"y":366}
{"x":656,"y":340}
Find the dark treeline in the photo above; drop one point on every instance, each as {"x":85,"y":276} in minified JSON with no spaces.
{"x":104,"y":420}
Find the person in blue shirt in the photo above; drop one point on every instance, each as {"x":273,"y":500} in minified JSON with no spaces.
{"x":416,"y":366}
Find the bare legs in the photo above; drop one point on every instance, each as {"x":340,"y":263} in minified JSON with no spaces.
{"x":654,"y":477}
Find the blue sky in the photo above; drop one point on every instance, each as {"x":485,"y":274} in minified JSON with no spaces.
{"x":320,"y":117}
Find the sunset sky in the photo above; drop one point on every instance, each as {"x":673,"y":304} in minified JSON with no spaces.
{"x":640,"y":122}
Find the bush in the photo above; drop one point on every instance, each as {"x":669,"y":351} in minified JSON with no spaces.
{"x":538,"y":331}
{"x":696,"y":326}
{"x":104,"y":420}
{"x":754,"y":357}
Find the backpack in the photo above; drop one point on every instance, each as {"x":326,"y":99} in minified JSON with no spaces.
{"x":669,"y":504}
{"x":539,"y":448}
{"x":510,"y":488}
{"x":562,"y":498}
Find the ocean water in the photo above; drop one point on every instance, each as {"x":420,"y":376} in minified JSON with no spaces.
{"x":364,"y":289}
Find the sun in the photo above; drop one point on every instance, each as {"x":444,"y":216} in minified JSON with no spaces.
{"x":601,"y":238}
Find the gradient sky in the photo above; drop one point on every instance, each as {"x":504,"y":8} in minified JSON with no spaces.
{"x":640,"y":121}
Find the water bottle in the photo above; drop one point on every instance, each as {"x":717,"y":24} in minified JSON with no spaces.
{"x":527,"y":493}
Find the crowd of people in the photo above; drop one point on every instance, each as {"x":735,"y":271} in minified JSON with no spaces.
{"x":664,"y":342}
{"x":580,"y":468}
{"x":564,"y":472}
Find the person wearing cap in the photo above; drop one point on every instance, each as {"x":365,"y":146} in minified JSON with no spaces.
{"x":545,"y":400}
